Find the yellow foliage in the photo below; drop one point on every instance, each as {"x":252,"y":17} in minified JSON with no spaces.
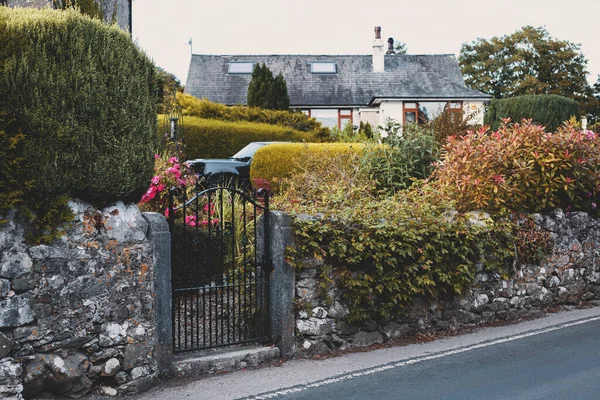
{"x":277,"y":162}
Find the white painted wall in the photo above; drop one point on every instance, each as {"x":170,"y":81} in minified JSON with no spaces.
{"x":475,"y":108}
{"x":390,"y":109}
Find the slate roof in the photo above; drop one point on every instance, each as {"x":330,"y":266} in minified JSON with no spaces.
{"x":405,"y":77}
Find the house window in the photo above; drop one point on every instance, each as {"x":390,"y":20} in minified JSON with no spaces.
{"x":410,"y":113}
{"x":323,"y":67}
{"x":344,"y":116}
{"x":239,"y":67}
{"x":331,"y":117}
{"x":426,"y":111}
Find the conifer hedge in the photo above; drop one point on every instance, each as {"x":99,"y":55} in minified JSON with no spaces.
{"x":202,"y":108}
{"x":209,"y":138}
{"x":549,"y":110}
{"x":84,"y":96}
{"x":77,"y":113}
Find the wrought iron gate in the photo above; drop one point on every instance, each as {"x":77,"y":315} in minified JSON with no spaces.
{"x":220,"y":272}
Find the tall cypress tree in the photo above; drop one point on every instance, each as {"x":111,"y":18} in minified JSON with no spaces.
{"x":266,"y":91}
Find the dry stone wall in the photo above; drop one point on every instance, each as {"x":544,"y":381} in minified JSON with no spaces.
{"x":78,"y":316}
{"x":570,"y":275}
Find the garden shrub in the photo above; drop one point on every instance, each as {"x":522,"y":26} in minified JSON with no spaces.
{"x":277,"y":162}
{"x":83,"y":97}
{"x":209,"y":138}
{"x":549,"y":110}
{"x":521,"y":167}
{"x":406,"y":156}
{"x":297,"y":121}
{"x":383,"y":252}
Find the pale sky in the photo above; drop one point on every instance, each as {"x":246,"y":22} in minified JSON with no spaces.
{"x":163,"y":28}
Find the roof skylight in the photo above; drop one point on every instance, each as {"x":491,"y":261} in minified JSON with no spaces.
{"x":323,"y":67}
{"x":240,"y":67}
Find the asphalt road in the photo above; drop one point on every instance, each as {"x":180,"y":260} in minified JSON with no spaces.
{"x":561,"y":364}
{"x":556,"y":357}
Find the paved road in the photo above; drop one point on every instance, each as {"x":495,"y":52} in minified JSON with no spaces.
{"x":561,"y":364}
{"x":557,"y":357}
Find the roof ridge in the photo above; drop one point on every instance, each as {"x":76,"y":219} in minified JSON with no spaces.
{"x":321,"y":55}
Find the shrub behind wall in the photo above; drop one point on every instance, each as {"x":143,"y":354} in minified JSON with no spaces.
{"x":77,"y":102}
{"x":549,"y":110}
{"x":203,"y":108}
{"x":277,"y":162}
{"x":84,"y":97}
{"x":210,"y":138}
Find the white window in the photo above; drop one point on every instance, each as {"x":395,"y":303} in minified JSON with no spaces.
{"x":323,"y":67}
{"x":239,"y":67}
{"x":327,"y":117}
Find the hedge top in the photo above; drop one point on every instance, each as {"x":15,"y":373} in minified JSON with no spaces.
{"x":84,"y":96}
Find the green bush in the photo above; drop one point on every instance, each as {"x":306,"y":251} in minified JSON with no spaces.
{"x":521,"y":167}
{"x":210,"y":138}
{"x":382,"y":253}
{"x":405,"y":157}
{"x":277,"y":162}
{"x":83,"y":96}
{"x":195,"y":107}
{"x":545,"y":109}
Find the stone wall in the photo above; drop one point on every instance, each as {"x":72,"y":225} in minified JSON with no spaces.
{"x":570,"y":275}
{"x":78,"y":316}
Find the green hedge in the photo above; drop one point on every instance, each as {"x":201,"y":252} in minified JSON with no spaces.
{"x":545,"y":109}
{"x":280,"y":161}
{"x":203,"y":108}
{"x":84,"y":98}
{"x":209,"y":138}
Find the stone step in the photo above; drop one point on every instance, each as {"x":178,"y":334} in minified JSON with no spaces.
{"x":223,"y":360}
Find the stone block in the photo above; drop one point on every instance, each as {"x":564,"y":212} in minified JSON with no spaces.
{"x":394,"y":330}
{"x":369,"y":325}
{"x":111,"y":367}
{"x":338,"y":310}
{"x":135,"y":355}
{"x":4,"y":287}
{"x":15,"y":311}
{"x":364,"y":339}
{"x":315,"y":326}
{"x":15,"y":263}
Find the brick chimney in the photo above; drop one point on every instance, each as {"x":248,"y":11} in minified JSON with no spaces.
{"x":378,"y":51}
{"x":391,"y":46}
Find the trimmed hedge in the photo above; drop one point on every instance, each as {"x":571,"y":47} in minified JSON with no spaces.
{"x":209,"y":138}
{"x":549,"y":110}
{"x":84,"y":97}
{"x":195,"y":107}
{"x":280,"y":161}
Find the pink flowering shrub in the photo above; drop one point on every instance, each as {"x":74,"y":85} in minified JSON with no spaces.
{"x":521,"y":167}
{"x":169,"y":173}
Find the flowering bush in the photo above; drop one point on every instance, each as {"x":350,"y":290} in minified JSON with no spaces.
{"x":169,"y":173}
{"x":521,"y":167}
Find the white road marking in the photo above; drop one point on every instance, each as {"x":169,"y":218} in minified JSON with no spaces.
{"x":374,"y":370}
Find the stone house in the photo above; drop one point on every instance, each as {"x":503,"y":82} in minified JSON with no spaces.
{"x":118,"y":11}
{"x":337,"y":89}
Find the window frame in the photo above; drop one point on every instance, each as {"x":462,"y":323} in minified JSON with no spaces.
{"x":312,"y":71}
{"x":229,"y":64}
{"x":344,"y":117}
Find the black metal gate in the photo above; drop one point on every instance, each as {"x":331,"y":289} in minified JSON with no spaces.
{"x":219,"y":272}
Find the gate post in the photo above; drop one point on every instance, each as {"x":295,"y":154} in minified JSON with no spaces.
{"x":282,"y":285}
{"x":160,"y":238}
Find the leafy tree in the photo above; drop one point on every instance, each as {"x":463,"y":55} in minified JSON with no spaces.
{"x":90,"y":8}
{"x":168,"y":85}
{"x":400,"y":47}
{"x":529,"y":61}
{"x":266,"y":91}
